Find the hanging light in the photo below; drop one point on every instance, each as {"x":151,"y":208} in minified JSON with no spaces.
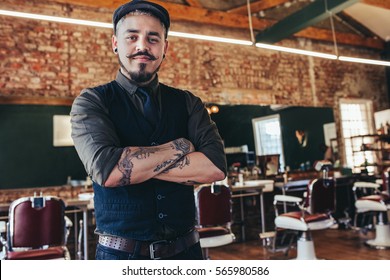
{"x":213,"y":109}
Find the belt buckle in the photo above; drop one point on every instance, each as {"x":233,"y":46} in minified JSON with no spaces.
{"x":152,"y":250}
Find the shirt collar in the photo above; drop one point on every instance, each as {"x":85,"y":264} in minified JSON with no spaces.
{"x":130,"y":87}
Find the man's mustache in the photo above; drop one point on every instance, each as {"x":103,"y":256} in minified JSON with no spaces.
{"x":150,"y":56}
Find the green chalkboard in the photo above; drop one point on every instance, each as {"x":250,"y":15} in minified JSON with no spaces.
{"x":27,"y":156}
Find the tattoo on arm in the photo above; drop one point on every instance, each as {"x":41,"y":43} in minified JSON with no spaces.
{"x":181,"y":163}
{"x":125,"y":165}
{"x":182,"y":145}
{"x":163,"y":165}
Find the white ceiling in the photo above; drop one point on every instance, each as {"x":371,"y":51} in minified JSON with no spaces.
{"x":376,"y":19}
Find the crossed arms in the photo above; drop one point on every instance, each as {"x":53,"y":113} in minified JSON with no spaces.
{"x":178,"y":161}
{"x":175,"y":161}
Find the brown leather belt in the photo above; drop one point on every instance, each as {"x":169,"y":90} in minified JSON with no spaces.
{"x":153,"y":249}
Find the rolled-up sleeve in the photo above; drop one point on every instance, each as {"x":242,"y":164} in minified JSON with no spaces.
{"x":94,"y":136}
{"x":203,"y":132}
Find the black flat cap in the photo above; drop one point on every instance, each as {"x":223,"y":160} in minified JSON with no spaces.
{"x":153,"y":8}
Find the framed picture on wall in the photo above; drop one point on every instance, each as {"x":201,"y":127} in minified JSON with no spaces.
{"x":62,"y":131}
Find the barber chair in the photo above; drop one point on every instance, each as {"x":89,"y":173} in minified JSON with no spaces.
{"x":36,"y":229}
{"x":282,"y":239}
{"x":376,"y":203}
{"x":214,"y":215}
{"x":363,"y":219}
{"x":314,"y":212}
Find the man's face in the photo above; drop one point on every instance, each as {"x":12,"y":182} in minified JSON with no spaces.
{"x":141,"y":46}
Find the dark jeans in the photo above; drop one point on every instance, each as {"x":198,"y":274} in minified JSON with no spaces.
{"x":105,"y":253}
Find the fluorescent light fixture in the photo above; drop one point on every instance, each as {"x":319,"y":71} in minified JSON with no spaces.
{"x":295,"y":51}
{"x":199,"y":37}
{"x":56,"y":19}
{"x":109,"y":25}
{"x":364,"y":60}
{"x":210,"y":38}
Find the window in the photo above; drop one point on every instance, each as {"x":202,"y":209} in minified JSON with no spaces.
{"x":268,"y":137}
{"x":356,"y":119}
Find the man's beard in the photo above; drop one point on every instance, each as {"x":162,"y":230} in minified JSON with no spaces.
{"x":140,"y":76}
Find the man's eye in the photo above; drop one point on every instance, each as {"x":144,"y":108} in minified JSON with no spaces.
{"x":132,"y":38}
{"x":153,"y":40}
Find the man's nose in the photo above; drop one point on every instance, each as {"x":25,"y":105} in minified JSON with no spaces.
{"x":142,"y":45}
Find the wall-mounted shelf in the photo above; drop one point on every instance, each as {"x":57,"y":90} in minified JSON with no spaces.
{"x":371,"y":152}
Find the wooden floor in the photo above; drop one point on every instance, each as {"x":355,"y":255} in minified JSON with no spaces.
{"x":330,"y":244}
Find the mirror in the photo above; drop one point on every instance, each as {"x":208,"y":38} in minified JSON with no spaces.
{"x":302,"y":130}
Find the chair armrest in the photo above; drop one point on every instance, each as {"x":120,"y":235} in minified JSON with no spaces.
{"x":3,"y":227}
{"x":287,"y":198}
{"x":3,"y":231}
{"x":369,"y":185}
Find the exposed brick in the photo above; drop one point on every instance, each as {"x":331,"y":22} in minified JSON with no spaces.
{"x":72,"y":57}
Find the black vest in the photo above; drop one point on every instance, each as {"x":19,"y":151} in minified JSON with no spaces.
{"x":139,"y":211}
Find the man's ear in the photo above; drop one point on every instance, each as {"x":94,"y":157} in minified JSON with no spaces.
{"x":165,"y":48}
{"x":114,"y":44}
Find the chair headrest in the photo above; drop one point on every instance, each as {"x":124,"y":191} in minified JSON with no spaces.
{"x":37,"y":202}
{"x":321,"y":165}
{"x":215,"y":189}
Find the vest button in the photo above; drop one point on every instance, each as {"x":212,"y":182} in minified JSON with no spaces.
{"x":154,"y":144}
{"x":161,"y":215}
{"x":159,"y":197}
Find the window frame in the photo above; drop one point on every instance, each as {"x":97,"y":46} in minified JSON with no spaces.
{"x":257,"y":139}
{"x":348,"y":158}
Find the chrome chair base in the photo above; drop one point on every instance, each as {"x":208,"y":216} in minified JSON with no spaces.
{"x":382,"y":238}
{"x":305,"y":250}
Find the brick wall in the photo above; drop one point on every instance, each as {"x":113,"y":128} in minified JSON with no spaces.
{"x":47,"y":59}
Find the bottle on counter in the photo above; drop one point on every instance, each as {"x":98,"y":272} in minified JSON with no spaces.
{"x":387,"y":128}
{"x":69,"y":180}
{"x":240,"y":179}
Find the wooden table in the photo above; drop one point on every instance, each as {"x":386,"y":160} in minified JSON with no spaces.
{"x":296,"y":185}
{"x":82,"y":205}
{"x":251,"y":188}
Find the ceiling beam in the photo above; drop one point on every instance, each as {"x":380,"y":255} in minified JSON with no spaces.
{"x":378,"y":3}
{"x":305,"y":17}
{"x":257,"y":6}
{"x":185,"y":13}
{"x":224,"y":19}
{"x":194,"y":3}
{"x":341,"y":38}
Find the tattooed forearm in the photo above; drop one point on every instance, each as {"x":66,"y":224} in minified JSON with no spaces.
{"x":125,"y":166}
{"x":144,"y":152}
{"x":176,"y":152}
{"x":163,"y":165}
{"x":184,"y":161}
{"x":182,"y":145}
{"x":181,"y":163}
